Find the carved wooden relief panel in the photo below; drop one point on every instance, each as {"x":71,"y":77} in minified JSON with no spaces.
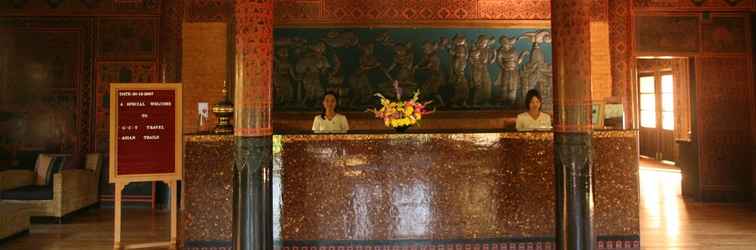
{"x":80,"y":7}
{"x":599,"y":10}
{"x":127,"y":38}
{"x":210,"y":10}
{"x":724,"y":123}
{"x":666,"y":34}
{"x":46,"y":100}
{"x":116,"y":72}
{"x":456,"y":68}
{"x":170,"y":40}
{"x":725,"y":34}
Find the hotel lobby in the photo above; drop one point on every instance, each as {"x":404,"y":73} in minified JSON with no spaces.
{"x":377,"y":125}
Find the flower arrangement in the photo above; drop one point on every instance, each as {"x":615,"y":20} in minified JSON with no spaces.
{"x":401,"y":114}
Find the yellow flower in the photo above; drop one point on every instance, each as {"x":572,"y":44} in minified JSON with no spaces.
{"x":408,"y":110}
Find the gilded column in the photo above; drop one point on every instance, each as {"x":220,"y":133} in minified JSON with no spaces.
{"x":253,"y":46}
{"x":570,"y":24}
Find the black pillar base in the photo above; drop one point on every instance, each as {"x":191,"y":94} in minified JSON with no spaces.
{"x":253,"y":192}
{"x":574,"y":207}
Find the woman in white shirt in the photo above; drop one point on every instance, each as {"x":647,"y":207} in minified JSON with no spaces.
{"x":329,"y":121}
{"x":534,"y":119}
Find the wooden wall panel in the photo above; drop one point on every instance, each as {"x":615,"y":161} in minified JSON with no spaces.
{"x":666,"y":34}
{"x":128,"y":38}
{"x":170,"y":40}
{"x":725,"y":34}
{"x":80,"y":8}
{"x":119,"y":41}
{"x":48,"y":65}
{"x":691,"y":5}
{"x":209,"y":10}
{"x":601,"y":74}
{"x":115,"y":72}
{"x":724,"y":126}
{"x":716,"y":162}
{"x":204,"y":70}
{"x":601,"y":69}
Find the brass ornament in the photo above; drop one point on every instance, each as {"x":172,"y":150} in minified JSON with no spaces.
{"x":224,"y":110}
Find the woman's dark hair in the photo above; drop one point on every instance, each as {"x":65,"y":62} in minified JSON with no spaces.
{"x":322,"y":109}
{"x":530,"y":95}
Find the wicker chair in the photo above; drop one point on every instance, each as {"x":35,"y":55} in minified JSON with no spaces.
{"x":72,"y":189}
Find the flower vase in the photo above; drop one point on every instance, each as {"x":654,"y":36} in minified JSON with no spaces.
{"x":401,"y":129}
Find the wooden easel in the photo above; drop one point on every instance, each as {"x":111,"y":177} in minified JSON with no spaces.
{"x":169,"y":177}
{"x":172,"y":243}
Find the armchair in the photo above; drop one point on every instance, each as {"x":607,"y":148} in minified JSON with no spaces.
{"x":71,"y":189}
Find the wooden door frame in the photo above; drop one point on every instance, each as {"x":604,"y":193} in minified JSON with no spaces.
{"x":657,"y":73}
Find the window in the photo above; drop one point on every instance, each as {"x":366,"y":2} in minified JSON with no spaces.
{"x":668,"y":104}
{"x":648,"y":101}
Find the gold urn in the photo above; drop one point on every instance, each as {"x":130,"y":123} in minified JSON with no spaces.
{"x":224,"y":110}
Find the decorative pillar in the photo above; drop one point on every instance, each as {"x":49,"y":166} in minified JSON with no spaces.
{"x":621,"y":43}
{"x":253,"y":46}
{"x":570,"y":25}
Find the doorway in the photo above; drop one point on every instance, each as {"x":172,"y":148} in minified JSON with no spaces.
{"x":657,"y":110}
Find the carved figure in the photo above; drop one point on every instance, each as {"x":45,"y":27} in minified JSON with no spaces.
{"x":283,"y":78}
{"x":361,"y":90}
{"x":536,"y":74}
{"x":480,"y":57}
{"x":337,"y":39}
{"x":509,"y":61}
{"x":403,"y":69}
{"x":336,"y":81}
{"x":310,"y":69}
{"x":431,"y":64}
{"x":384,"y":39}
{"x":459,"y":55}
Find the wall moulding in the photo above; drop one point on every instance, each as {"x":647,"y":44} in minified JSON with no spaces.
{"x":691,"y":5}
{"x":420,"y":24}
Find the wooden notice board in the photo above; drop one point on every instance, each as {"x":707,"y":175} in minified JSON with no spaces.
{"x":145,"y":143}
{"x":145,"y":132}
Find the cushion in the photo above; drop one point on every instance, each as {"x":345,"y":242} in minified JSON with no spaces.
{"x":42,"y":169}
{"x":47,"y":166}
{"x":28,"y":193}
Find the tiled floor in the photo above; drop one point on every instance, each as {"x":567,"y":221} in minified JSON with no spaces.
{"x":667,"y":222}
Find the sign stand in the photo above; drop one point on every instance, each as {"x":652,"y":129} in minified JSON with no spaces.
{"x":172,"y":186}
{"x":145,"y":145}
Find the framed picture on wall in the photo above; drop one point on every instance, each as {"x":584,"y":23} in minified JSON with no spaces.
{"x":597,"y":114}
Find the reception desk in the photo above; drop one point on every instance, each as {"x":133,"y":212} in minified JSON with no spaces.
{"x":476,"y":190}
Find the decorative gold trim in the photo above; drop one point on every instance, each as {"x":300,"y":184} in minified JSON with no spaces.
{"x":522,"y":24}
{"x":208,"y":138}
{"x":538,"y":136}
{"x":615,"y":134}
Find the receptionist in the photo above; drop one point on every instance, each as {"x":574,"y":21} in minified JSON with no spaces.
{"x":533,"y":119}
{"x":328,"y":121}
